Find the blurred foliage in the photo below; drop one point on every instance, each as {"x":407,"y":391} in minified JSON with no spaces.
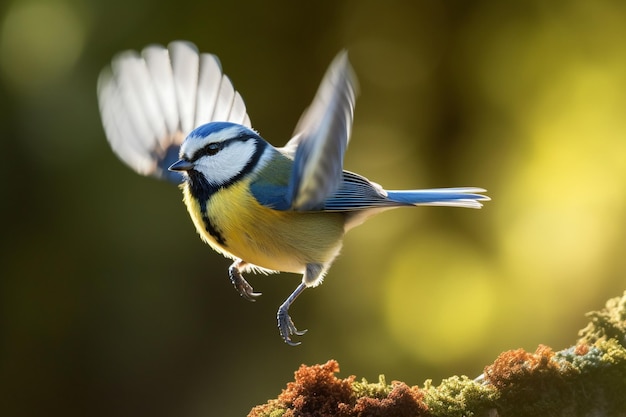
{"x":111,"y":305}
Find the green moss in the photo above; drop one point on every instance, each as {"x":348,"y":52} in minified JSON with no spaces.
{"x":608,"y":323}
{"x":377,"y":390}
{"x":459,"y":397}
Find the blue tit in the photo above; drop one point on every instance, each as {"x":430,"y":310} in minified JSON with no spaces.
{"x":171,"y":113}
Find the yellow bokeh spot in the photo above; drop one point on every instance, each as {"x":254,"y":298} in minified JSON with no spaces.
{"x":440,"y":298}
{"x":565,"y":200}
{"x":40,"y":41}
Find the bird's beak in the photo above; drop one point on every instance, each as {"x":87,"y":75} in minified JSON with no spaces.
{"x":181,"y":165}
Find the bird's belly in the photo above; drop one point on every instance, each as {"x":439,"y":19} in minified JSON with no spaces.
{"x":272,"y":239}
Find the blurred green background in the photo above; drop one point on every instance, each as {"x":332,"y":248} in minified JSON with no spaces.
{"x":112,"y":306}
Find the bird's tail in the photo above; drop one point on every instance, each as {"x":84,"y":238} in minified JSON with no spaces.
{"x":453,"y":197}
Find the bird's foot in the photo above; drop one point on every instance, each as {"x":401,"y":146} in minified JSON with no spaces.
{"x":239,"y":282}
{"x":286,"y":326}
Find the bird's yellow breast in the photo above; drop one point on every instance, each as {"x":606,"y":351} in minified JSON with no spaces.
{"x":236,"y":225}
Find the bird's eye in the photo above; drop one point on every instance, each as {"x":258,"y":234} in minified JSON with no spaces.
{"x":212,"y":148}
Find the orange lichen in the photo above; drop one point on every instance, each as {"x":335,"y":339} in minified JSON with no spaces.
{"x":515,"y":366}
{"x":317,"y":392}
{"x":581,"y":349}
{"x":532,"y":382}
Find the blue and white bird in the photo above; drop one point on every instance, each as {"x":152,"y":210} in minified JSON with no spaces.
{"x":172,"y":114}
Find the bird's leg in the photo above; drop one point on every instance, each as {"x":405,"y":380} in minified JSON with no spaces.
{"x":241,"y":285}
{"x":285,"y":324}
{"x":312,"y":276}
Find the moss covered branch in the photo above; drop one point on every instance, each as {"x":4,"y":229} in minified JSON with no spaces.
{"x":587,"y":379}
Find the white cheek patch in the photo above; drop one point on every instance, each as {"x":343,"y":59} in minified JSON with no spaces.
{"x":222,"y":167}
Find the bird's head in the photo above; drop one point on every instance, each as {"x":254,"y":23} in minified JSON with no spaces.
{"x":219,"y":153}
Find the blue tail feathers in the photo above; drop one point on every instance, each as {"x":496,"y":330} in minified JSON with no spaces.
{"x":454,"y":197}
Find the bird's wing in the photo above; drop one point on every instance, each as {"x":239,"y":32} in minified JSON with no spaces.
{"x":149,"y":102}
{"x":357,"y":193}
{"x":354,"y":193}
{"x":321,"y":138}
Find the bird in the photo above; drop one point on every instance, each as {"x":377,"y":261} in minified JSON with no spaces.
{"x":169,"y":112}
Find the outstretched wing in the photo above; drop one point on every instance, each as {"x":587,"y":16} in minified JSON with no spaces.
{"x":321,"y":138}
{"x":149,"y":102}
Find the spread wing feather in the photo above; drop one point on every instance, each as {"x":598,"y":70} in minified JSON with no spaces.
{"x":149,"y":102}
{"x":321,"y":138}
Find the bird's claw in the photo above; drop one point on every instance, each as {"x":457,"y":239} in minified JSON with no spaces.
{"x":241,"y":285}
{"x":287,"y":328}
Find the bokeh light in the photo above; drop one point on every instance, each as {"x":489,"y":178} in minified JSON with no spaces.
{"x":40,"y":41}
{"x":440,"y":298}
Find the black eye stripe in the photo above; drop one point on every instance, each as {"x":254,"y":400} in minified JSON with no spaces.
{"x":210,"y":149}
{"x":214,"y":147}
